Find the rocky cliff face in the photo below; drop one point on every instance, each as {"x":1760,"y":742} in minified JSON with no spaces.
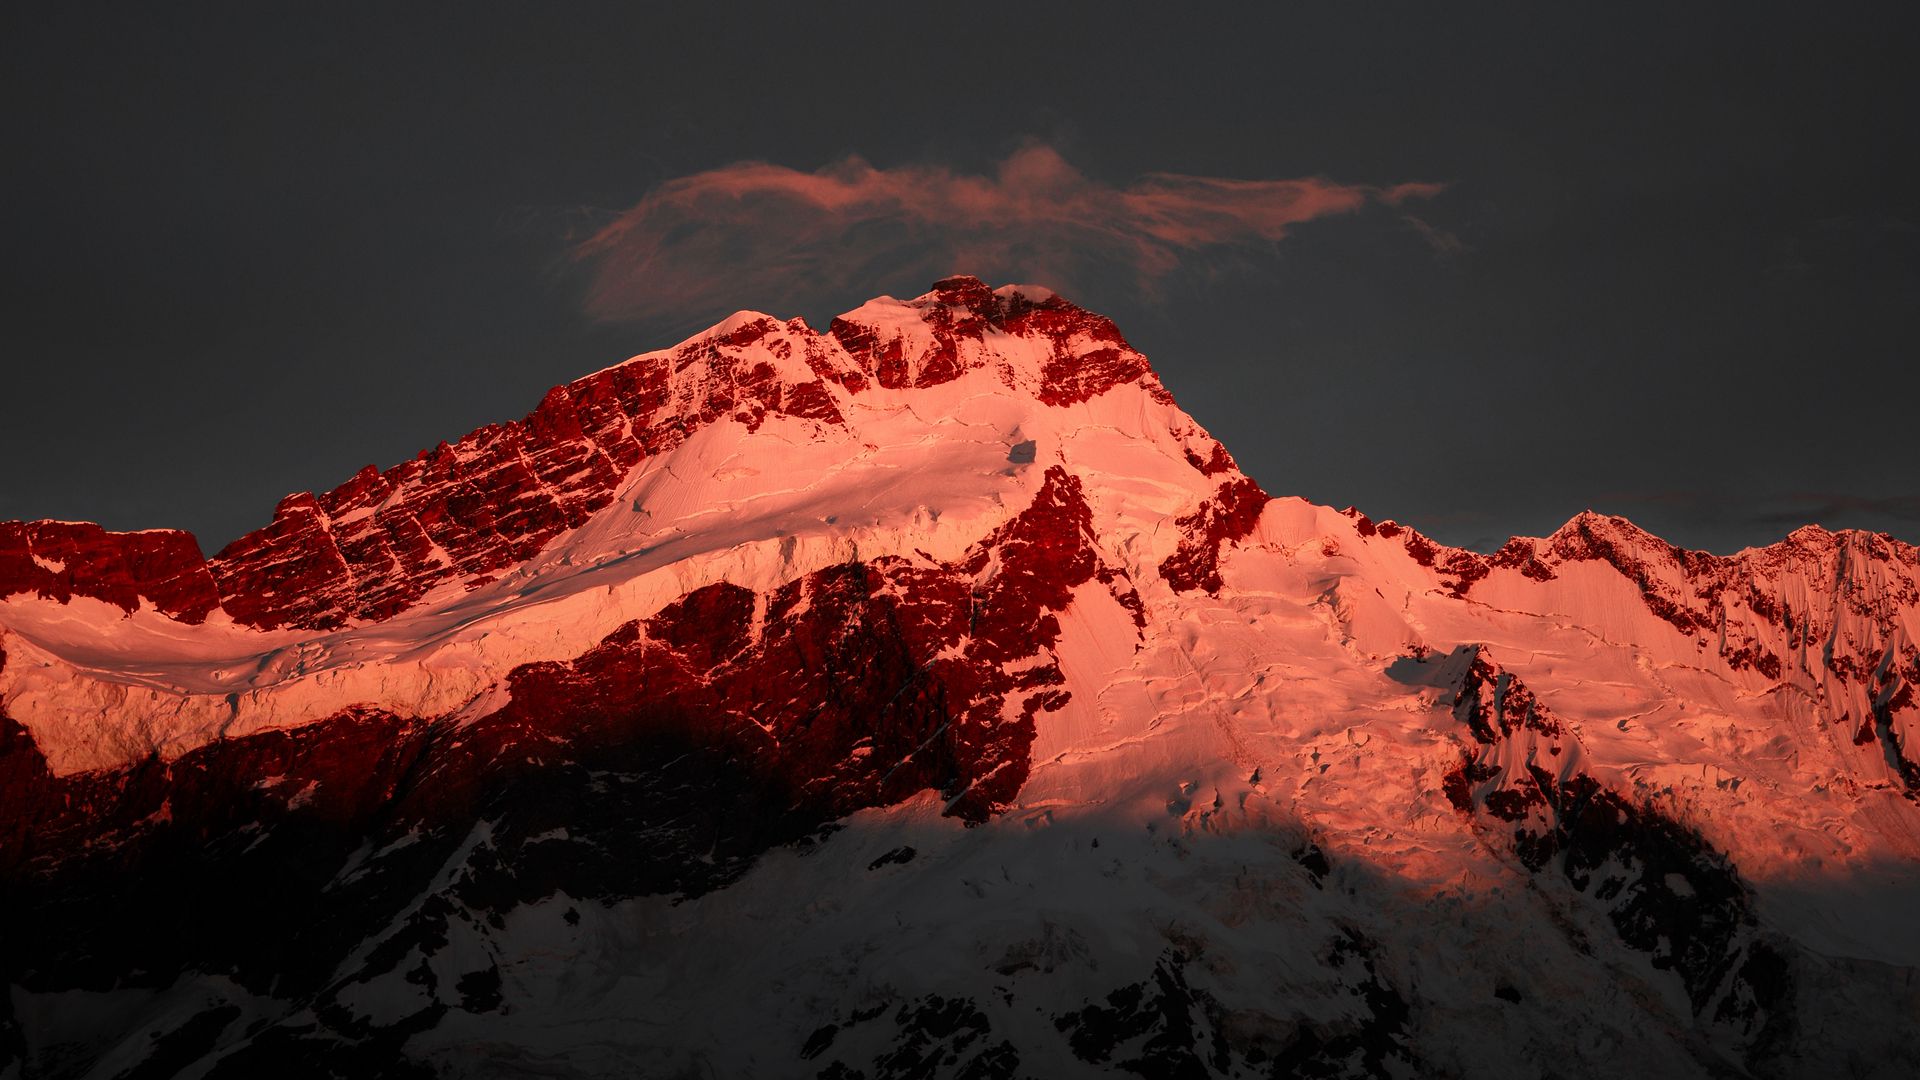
{"x":930,"y":696}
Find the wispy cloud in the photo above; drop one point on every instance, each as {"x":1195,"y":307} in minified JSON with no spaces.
{"x":757,"y":232}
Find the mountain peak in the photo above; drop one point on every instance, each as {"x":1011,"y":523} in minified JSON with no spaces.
{"x":1061,"y":351}
{"x":465,"y":511}
{"x":956,"y":556}
{"x":963,"y":288}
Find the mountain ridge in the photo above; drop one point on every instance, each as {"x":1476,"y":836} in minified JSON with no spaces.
{"x":165,"y":567}
{"x":1006,"y":736}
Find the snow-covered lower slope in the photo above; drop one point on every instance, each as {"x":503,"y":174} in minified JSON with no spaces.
{"x":932,"y":696}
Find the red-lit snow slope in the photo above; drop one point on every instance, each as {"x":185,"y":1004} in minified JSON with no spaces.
{"x":931,"y":696}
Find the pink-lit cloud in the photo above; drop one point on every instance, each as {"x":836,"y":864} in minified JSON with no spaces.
{"x":761,"y":233}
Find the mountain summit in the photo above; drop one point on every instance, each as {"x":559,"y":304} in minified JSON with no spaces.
{"x":931,"y":696}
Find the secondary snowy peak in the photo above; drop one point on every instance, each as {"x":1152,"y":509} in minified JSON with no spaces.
{"x":464,"y":511}
{"x":1838,"y":600}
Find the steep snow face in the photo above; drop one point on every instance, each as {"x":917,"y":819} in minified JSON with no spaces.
{"x":676,"y":692}
{"x":1656,"y":661}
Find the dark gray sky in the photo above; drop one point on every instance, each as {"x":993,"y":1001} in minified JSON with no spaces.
{"x":1674,"y":271}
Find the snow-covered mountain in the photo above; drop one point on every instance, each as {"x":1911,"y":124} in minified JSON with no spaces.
{"x":931,"y":696}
